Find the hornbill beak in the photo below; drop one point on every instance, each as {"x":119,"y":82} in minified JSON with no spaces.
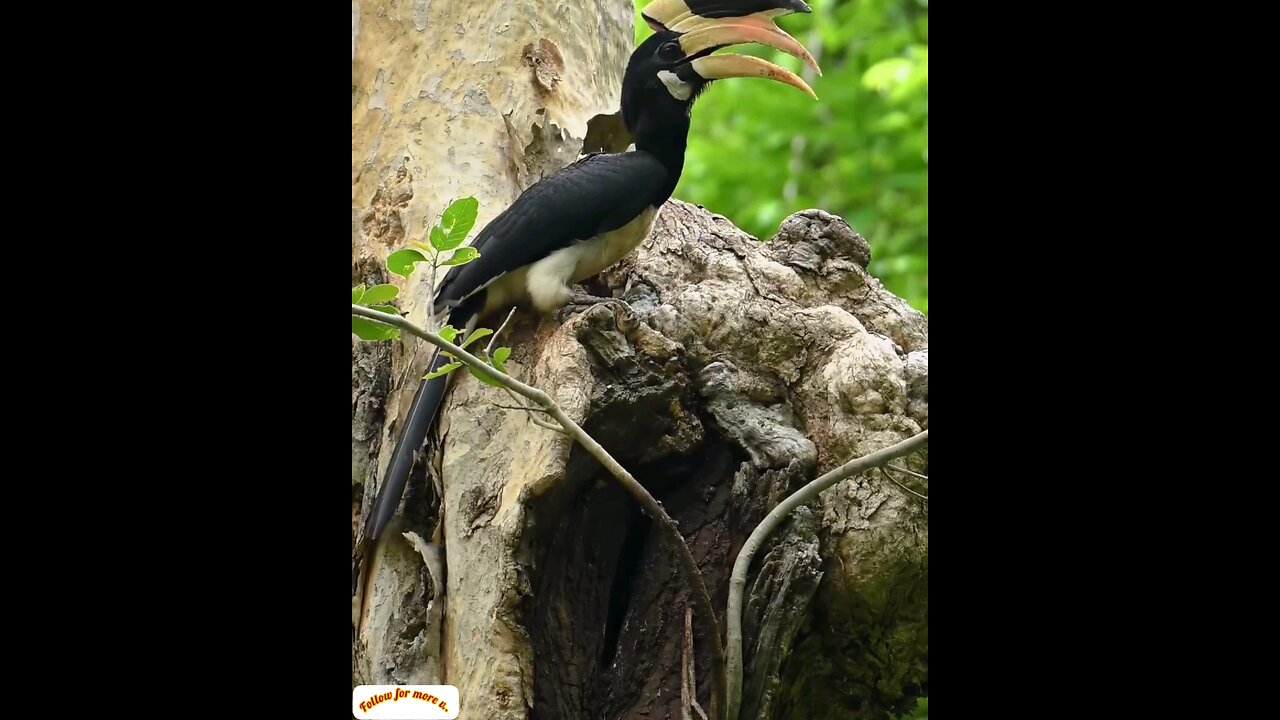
{"x":715,"y":67}
{"x":669,"y":14}
{"x":714,"y":25}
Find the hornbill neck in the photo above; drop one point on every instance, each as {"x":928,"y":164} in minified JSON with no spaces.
{"x":664,"y":138}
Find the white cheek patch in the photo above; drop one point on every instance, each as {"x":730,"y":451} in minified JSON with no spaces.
{"x":678,"y":88}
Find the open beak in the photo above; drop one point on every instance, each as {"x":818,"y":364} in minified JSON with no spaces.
{"x":703,"y":34}
{"x":715,"y":67}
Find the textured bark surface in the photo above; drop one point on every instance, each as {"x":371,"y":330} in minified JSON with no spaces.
{"x":800,"y":360}
{"x":450,"y":99}
{"x":737,"y":372}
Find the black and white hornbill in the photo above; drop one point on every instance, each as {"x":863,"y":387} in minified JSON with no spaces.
{"x":580,"y":220}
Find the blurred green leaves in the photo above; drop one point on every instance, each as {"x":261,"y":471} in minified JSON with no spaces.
{"x":759,"y":151}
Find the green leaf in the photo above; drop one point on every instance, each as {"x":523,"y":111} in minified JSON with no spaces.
{"x":456,"y":222}
{"x":430,"y":251}
{"x":401,"y":262}
{"x":379,"y":294}
{"x":461,"y":256}
{"x":439,"y":240}
{"x":366,"y":329}
{"x":483,"y":378}
{"x":444,"y":370}
{"x":482,"y":332}
{"x":500,"y":357}
{"x":357,"y":292}
{"x":448,"y":332}
{"x":388,"y":309}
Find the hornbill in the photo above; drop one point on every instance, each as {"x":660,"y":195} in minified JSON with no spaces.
{"x":573,"y":224}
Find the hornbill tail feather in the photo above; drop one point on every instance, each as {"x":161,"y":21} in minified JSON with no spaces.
{"x":422,"y":416}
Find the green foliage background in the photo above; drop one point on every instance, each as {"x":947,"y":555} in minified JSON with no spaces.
{"x":759,"y":151}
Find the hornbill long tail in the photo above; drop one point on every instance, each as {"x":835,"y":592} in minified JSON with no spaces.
{"x":422,"y":414}
{"x":578,"y":221}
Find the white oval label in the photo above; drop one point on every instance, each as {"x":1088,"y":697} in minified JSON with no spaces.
{"x":405,"y":702}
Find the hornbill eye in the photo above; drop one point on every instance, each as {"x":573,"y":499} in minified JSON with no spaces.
{"x":670,"y":52}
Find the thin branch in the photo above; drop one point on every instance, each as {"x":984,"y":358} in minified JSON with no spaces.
{"x":688,"y":679}
{"x":530,"y":412}
{"x":435,"y":260}
{"x":547,"y":425}
{"x":518,"y":407}
{"x":912,"y":473}
{"x":516,"y":399}
{"x":738,"y":581}
{"x":488,"y":350}
{"x":904,"y":487}
{"x":686,"y":671}
{"x":688,"y":566}
{"x":533,"y":419}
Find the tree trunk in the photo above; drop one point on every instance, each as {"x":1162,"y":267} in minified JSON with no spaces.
{"x":519,"y":570}
{"x":450,"y":99}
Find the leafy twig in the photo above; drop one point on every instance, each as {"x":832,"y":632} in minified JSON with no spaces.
{"x":688,"y":566}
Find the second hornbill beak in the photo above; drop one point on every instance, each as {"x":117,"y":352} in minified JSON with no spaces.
{"x":708,"y":25}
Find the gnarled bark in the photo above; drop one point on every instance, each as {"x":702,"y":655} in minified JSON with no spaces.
{"x":740,"y":371}
{"x":802,"y":360}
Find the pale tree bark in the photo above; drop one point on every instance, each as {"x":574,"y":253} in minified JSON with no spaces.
{"x":740,"y":371}
{"x":755,"y":367}
{"x":450,"y":99}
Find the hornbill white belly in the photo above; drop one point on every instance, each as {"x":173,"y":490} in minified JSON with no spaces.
{"x":580,"y":220}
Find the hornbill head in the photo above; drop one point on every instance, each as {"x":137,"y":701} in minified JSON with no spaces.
{"x":674,"y":65}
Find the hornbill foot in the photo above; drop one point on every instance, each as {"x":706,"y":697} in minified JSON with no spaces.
{"x":587,"y":299}
{"x":581,"y":302}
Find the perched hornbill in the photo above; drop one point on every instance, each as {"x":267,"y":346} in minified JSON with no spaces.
{"x":580,"y":220}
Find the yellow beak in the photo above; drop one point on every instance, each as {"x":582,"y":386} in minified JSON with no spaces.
{"x":703,"y":34}
{"x":715,"y":67}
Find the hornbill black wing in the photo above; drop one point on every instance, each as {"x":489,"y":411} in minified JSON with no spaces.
{"x":594,"y":195}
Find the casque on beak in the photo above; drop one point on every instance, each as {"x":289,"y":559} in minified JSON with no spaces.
{"x":667,"y":14}
{"x":711,"y":26}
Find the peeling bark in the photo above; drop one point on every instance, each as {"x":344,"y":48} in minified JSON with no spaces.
{"x":777,"y":606}
{"x":445,"y":103}
{"x":803,"y":361}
